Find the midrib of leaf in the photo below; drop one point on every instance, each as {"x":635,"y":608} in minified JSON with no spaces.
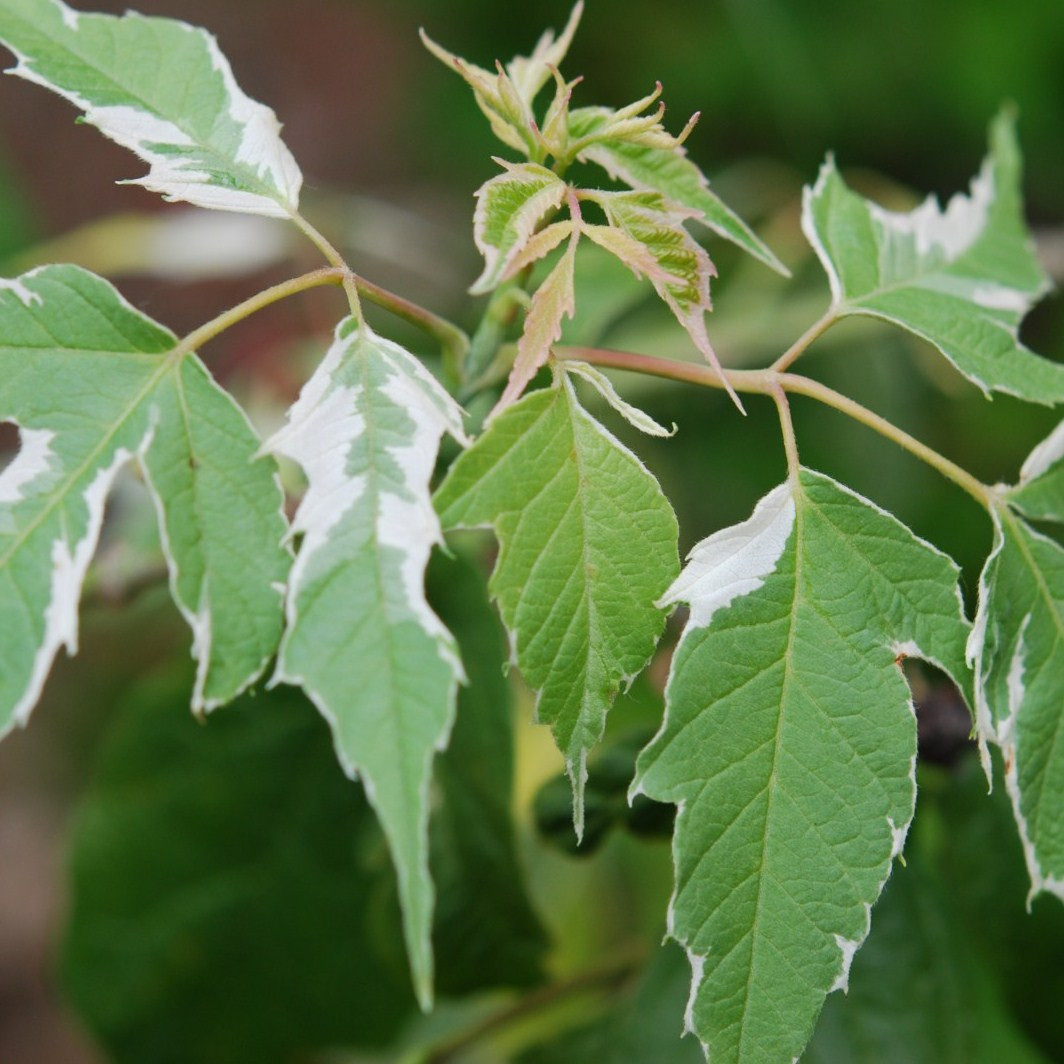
{"x":169,"y":362}
{"x":373,"y":478}
{"x":222,"y":163}
{"x":799,"y":520}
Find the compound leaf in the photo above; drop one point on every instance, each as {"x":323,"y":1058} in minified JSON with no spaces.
{"x":164,"y":90}
{"x":1017,"y":647}
{"x":124,"y":397}
{"x":509,"y":207}
{"x":360,"y":638}
{"x":588,"y":542}
{"x":961,"y":279}
{"x":651,"y":159}
{"x":789,"y":746}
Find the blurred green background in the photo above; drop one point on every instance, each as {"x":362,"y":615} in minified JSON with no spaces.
{"x":393,"y":148}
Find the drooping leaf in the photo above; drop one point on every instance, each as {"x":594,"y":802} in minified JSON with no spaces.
{"x":485,"y":932}
{"x":918,"y":992}
{"x":646,"y":233}
{"x":644,"y":1027}
{"x":509,"y":207}
{"x":961,"y":279}
{"x":164,"y":90}
{"x":553,"y":300}
{"x":361,"y":639}
{"x":789,"y":746}
{"x":94,"y":385}
{"x":1040,"y":492}
{"x":231,"y":898}
{"x":1017,"y":647}
{"x":649,"y":158}
{"x":635,"y":417}
{"x":588,"y":542}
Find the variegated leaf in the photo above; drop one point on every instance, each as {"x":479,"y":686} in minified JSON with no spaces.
{"x":361,"y":639}
{"x":164,"y":90}
{"x":127,"y":394}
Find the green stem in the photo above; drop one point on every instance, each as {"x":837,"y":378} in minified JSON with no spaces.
{"x":453,"y":340}
{"x":818,"y":328}
{"x":766,"y":382}
{"x":334,"y":258}
{"x":198,"y":337}
{"x":790,"y":442}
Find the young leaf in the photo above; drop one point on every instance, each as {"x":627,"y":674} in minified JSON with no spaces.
{"x":650,"y":159}
{"x":1040,"y":492}
{"x":588,"y":542}
{"x":529,"y":74}
{"x":646,"y":233}
{"x":1017,"y":646}
{"x":635,"y":417}
{"x":509,"y":115}
{"x":509,"y":207}
{"x":124,"y":397}
{"x":361,"y":639}
{"x":164,"y":90}
{"x":961,"y":279}
{"x":553,"y":300}
{"x":789,"y":746}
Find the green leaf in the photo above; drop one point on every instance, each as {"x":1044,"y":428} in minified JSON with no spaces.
{"x":486,"y":933}
{"x":789,"y":746}
{"x":1017,"y":646}
{"x":961,"y":279}
{"x":361,"y":639}
{"x":164,"y":90}
{"x":918,"y":990}
{"x":231,"y":897}
{"x":1040,"y":492}
{"x":553,"y":300}
{"x":124,"y":396}
{"x":650,"y":159}
{"x":588,"y":542}
{"x":644,"y":1027}
{"x":509,"y":208}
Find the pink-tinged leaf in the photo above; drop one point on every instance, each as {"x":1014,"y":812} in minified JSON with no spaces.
{"x":554,"y":299}
{"x":529,"y":74}
{"x":647,"y":234}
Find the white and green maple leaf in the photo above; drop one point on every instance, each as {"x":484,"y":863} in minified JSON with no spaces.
{"x":1017,"y":648}
{"x":361,"y":638}
{"x":94,"y":385}
{"x":789,"y":746}
{"x":647,"y":158}
{"x":961,"y":278}
{"x":587,"y":544}
{"x":164,"y":90}
{"x":509,"y":208}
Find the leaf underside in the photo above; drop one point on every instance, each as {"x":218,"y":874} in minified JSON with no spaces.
{"x":122,"y":400}
{"x":588,"y":543}
{"x":789,"y":746}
